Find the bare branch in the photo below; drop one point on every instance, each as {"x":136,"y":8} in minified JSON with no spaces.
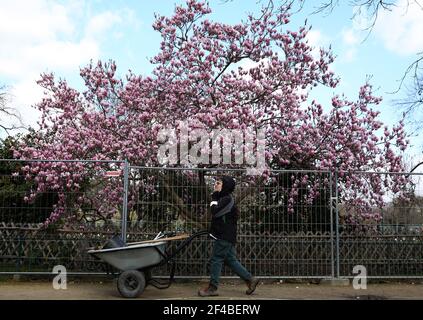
{"x":8,"y":112}
{"x":413,"y":99}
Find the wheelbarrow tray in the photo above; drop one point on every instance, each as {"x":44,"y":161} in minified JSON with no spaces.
{"x":136,"y":255}
{"x":133,"y":257}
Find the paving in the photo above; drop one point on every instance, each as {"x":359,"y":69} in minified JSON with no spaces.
{"x":106,"y":290}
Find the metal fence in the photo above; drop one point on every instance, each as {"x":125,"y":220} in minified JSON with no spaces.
{"x":90,"y":194}
{"x":392,"y":247}
{"x":271,"y":242}
{"x":293,"y":223}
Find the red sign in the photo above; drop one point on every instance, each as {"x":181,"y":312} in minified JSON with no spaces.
{"x":113,"y":173}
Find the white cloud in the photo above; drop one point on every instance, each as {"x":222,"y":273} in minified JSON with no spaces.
{"x":350,"y":41}
{"x":349,"y":37}
{"x":353,"y":36}
{"x":101,"y":23}
{"x":350,"y":55}
{"x":32,"y":21}
{"x":316,"y":39}
{"x":401,"y":29}
{"x":118,"y":35}
{"x":25,"y":93}
{"x":42,"y":35}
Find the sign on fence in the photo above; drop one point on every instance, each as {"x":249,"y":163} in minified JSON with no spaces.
{"x":116,"y":173}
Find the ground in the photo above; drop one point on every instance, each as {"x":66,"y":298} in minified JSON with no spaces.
{"x":106,"y":290}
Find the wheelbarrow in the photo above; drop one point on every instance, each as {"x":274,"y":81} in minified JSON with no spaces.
{"x":136,"y":260}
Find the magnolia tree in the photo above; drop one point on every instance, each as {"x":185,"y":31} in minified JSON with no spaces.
{"x":253,"y":75}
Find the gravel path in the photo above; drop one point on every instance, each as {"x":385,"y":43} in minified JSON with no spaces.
{"x":83,"y":290}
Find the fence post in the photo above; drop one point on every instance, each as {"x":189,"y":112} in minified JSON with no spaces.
{"x":337,"y":223}
{"x":125,"y":200}
{"x":332,"y":240}
{"x":20,"y":251}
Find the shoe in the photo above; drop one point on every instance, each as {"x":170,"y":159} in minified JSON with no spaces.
{"x":252,"y":284}
{"x":210,"y":291}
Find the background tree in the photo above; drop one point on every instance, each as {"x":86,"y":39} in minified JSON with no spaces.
{"x":14,"y":187}
{"x":10,"y":118}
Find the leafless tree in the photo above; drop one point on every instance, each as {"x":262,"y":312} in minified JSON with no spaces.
{"x":7,"y":113}
{"x":412,"y":85}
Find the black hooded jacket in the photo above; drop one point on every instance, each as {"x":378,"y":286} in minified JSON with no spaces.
{"x":225,"y":226}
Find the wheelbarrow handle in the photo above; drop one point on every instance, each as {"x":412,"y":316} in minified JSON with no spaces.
{"x":185,"y":243}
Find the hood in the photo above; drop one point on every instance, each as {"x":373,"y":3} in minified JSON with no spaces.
{"x":228,"y":185}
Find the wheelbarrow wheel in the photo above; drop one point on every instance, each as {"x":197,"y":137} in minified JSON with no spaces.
{"x":131,"y":283}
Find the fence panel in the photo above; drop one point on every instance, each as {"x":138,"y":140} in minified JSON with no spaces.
{"x":384,"y":236}
{"x":284,"y":227}
{"x":88,"y":193}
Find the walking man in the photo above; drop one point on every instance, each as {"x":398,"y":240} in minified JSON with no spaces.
{"x":223,"y":230}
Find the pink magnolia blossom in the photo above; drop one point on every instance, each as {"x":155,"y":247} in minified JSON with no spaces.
{"x":199,"y":75}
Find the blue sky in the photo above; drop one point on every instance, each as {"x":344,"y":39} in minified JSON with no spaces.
{"x":61,"y":36}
